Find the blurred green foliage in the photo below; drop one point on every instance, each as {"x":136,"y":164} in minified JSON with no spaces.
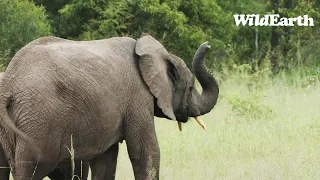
{"x":20,"y":23}
{"x":250,"y":107}
{"x":180,"y":25}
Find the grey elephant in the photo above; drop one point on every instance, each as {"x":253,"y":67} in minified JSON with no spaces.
{"x":5,"y":168}
{"x":90,"y":95}
{"x":62,"y":172}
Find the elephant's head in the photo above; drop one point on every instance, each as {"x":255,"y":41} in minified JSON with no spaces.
{"x":172,"y":83}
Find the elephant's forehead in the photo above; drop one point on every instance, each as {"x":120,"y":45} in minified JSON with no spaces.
{"x":177,"y":60}
{"x":182,"y":67}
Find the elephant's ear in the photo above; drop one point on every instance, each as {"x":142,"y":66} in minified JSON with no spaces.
{"x":153,"y":63}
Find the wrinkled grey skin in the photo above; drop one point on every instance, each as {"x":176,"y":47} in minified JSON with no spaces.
{"x":101,"y":92}
{"x":62,"y":172}
{"x":4,"y":172}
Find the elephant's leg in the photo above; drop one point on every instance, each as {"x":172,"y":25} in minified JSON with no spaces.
{"x":142,"y":144}
{"x":57,"y":174}
{"x":28,"y":165}
{"x":64,"y":170}
{"x":82,"y":169}
{"x":4,"y":166}
{"x":29,"y":169}
{"x":103,"y":167}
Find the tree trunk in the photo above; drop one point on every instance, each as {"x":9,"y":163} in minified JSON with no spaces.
{"x":287,"y":30}
{"x":275,"y":40}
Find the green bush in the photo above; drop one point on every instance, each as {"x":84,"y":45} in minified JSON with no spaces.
{"x":20,"y":23}
{"x":4,"y":58}
{"x":246,"y":75}
{"x":303,"y":77}
{"x":250,"y":107}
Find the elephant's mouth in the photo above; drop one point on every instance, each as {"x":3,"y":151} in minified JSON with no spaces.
{"x":199,"y":121}
{"x":185,"y":115}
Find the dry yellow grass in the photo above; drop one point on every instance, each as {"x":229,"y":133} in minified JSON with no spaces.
{"x":284,"y":145}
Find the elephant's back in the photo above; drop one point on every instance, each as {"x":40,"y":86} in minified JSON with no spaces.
{"x":89,"y":69}
{"x":48,"y":50}
{"x":84,"y":67}
{"x":54,"y":58}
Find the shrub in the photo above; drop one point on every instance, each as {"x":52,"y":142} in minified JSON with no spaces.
{"x":252,"y":79}
{"x":250,"y":107}
{"x":20,"y":23}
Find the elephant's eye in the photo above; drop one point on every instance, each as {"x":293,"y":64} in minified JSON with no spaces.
{"x":190,"y":91}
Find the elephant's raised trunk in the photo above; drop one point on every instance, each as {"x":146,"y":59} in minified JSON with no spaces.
{"x":208,"y":99}
{"x":202,"y":104}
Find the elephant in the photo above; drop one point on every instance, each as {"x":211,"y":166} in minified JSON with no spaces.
{"x":62,"y":172}
{"x":5,"y":169}
{"x":87,"y":96}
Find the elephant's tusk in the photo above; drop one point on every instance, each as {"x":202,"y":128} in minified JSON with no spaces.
{"x":201,"y":123}
{"x":180,"y":126}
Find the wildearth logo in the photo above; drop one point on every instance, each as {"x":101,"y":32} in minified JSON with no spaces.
{"x":271,"y":20}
